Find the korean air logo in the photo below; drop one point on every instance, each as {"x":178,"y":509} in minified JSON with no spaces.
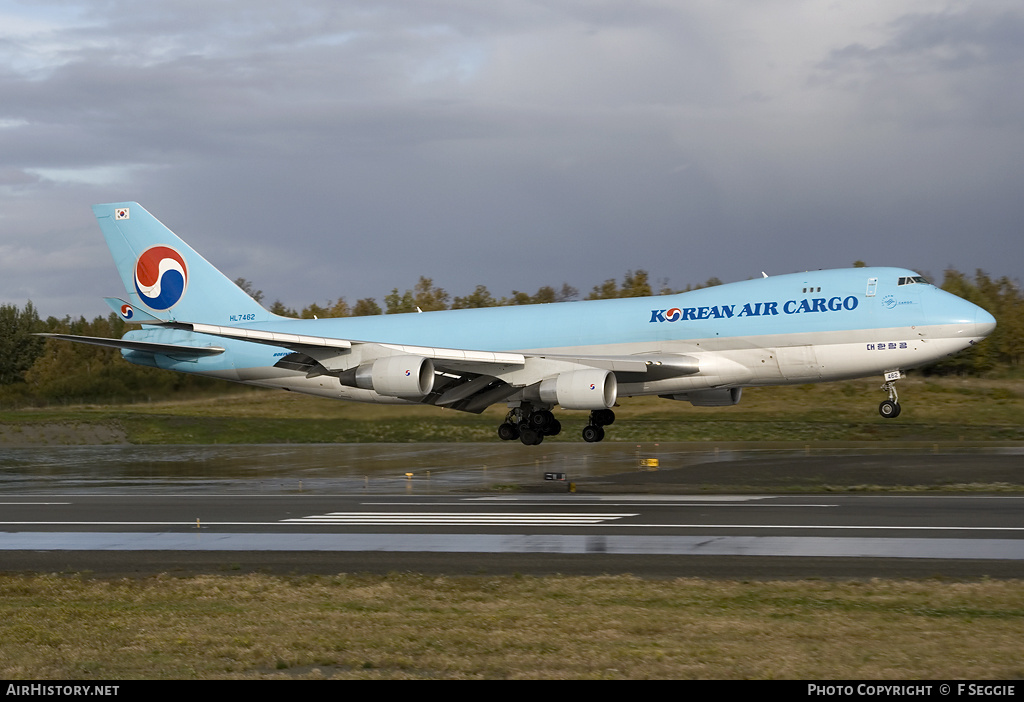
{"x":160,"y":277}
{"x":127,"y":312}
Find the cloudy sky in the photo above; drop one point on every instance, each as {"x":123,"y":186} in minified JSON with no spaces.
{"x":341,"y":148}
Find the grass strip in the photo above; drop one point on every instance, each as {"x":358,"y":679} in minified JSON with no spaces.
{"x":934,"y":410}
{"x":415,"y":626}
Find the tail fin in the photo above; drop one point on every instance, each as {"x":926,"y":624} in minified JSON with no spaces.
{"x":165,"y":276}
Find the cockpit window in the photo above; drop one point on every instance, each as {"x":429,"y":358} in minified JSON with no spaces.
{"x":911,"y":279}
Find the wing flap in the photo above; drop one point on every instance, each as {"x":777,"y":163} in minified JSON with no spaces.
{"x":655,"y":366}
{"x":301,"y":342}
{"x":464,"y":355}
{"x":266,"y":337}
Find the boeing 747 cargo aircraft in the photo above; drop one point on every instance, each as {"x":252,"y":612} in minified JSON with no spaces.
{"x":703,"y":346}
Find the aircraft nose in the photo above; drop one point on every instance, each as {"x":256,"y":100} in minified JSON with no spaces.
{"x":965,"y":319}
{"x":984,"y":322}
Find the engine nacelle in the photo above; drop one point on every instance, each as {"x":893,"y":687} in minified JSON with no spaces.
{"x":583,"y":389}
{"x":408,"y":377}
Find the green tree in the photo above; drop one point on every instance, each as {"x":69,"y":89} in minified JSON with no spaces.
{"x":980,"y":357}
{"x":567,"y":293}
{"x":518,"y":298}
{"x":480,"y":297}
{"x":430,"y":297}
{"x":249,"y":289}
{"x":366,"y":307}
{"x":19,"y":349}
{"x":634,"y":284}
{"x":313,"y":311}
{"x":71,"y":372}
{"x":543,"y":295}
{"x":340,"y":309}
{"x":709,"y":283}
{"x":279,"y":308}
{"x":399,"y":303}
{"x":425,"y":297}
{"x":607,"y":290}
{"x":1008,"y":337}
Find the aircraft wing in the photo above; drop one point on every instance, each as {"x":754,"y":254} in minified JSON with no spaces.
{"x":305,"y":343}
{"x":661,"y":365}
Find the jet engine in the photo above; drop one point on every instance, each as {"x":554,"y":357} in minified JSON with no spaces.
{"x":583,"y":389}
{"x":409,"y":377}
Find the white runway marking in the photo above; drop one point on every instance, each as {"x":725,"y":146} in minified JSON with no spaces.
{"x":459,"y":518}
{"x":631,"y":503}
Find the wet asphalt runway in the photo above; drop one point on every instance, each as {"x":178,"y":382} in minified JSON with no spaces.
{"x":649,"y":523}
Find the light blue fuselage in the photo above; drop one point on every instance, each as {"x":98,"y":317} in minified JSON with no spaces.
{"x":865,"y":313}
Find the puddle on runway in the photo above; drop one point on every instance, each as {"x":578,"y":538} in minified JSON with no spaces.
{"x":378,"y":468}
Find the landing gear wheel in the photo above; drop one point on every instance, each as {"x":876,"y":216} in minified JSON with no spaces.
{"x":542,"y":421}
{"x":592,"y":434}
{"x":602,"y":417}
{"x":529,"y":437}
{"x":508,"y":432}
{"x":889,"y":409}
{"x":529,"y":424}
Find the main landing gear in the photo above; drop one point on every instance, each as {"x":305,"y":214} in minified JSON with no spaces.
{"x":890,"y":409}
{"x":531,"y":425}
{"x":599,"y":419}
{"x":528,"y":425}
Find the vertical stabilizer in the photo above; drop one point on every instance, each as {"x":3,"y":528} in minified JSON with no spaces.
{"x":165,"y":277}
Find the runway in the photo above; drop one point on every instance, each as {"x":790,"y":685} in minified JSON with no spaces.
{"x":650,"y":535}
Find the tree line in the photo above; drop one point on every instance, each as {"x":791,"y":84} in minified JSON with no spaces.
{"x":35,"y":370}
{"x":426,"y":297}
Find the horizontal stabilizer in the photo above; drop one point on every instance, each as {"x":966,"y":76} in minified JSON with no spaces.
{"x":147,"y":346}
{"x":130,"y":313}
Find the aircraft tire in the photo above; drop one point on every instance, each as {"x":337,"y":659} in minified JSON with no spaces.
{"x":542,"y":421}
{"x":508,"y":432}
{"x":592,"y":433}
{"x":530,"y":437}
{"x":602,"y":418}
{"x":889,"y":409}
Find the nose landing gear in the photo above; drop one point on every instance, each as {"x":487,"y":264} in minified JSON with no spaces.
{"x":890,"y":409}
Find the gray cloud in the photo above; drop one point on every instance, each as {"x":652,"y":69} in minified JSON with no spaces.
{"x":323,"y":149}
